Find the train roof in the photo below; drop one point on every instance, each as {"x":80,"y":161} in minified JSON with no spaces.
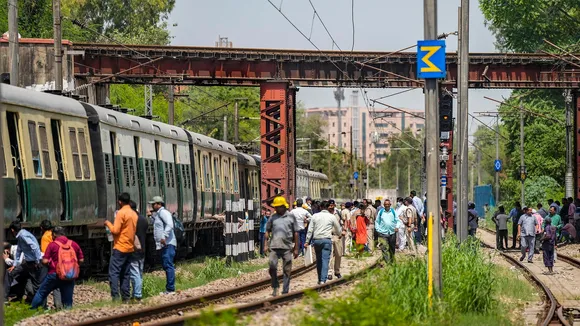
{"x":246,"y":159}
{"x":211,"y":143}
{"x":257,"y":158}
{"x":311,"y":174}
{"x":132,"y":122}
{"x":41,"y":101}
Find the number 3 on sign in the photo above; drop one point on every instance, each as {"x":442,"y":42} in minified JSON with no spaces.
{"x":431,"y":59}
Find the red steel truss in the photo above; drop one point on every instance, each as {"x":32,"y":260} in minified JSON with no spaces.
{"x":277,"y":142}
{"x":247,"y":67}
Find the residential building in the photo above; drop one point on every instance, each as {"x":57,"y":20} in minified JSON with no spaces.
{"x":371,"y":128}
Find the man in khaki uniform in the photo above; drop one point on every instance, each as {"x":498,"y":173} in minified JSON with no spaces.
{"x":337,"y":246}
{"x":371,"y":213}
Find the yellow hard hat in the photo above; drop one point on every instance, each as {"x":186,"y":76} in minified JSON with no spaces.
{"x":280,"y":201}
{"x":294,"y":203}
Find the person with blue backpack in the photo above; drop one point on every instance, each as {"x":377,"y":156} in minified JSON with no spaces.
{"x":387,"y":225}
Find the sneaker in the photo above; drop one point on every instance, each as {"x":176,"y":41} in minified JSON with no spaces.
{"x":329,"y":277}
{"x":275,"y":292}
{"x":522,"y":258}
{"x":338,"y":275}
{"x":529,"y":261}
{"x":167,"y":292}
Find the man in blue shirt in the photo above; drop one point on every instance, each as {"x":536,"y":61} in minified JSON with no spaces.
{"x":261,"y":236}
{"x":30,"y":267}
{"x":387,"y":225}
{"x":165,"y":241}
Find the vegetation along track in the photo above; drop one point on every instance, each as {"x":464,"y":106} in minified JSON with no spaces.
{"x":554,"y":312}
{"x":176,"y":308}
{"x":267,"y":303}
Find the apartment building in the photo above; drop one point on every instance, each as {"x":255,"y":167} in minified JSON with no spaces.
{"x":371,"y":128}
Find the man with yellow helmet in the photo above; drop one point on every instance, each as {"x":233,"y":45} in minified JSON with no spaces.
{"x":283,"y":228}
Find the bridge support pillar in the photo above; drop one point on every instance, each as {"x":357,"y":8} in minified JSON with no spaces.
{"x":95,"y":93}
{"x":277,"y":140}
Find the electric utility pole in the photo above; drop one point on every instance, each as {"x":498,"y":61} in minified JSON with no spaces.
{"x":13,"y":39}
{"x":57,"y":45}
{"x":432,"y":142}
{"x":462,"y":124}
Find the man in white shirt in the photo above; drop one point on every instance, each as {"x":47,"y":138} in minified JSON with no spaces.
{"x":302,"y":217}
{"x":401,"y":237}
{"x":320,"y":232}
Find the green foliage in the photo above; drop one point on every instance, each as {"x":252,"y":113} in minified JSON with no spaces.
{"x":521,"y":25}
{"x":209,"y":317}
{"x":131,"y":21}
{"x":409,"y":160}
{"x":198,"y":103}
{"x":397,"y":295}
{"x":542,"y":188}
{"x":16,"y":311}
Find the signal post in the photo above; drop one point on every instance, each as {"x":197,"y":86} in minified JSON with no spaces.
{"x":431,"y":66}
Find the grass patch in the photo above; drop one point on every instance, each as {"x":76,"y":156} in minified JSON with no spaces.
{"x":188,"y":275}
{"x":475,"y":292}
{"x":17,"y":311}
{"x":194,"y":274}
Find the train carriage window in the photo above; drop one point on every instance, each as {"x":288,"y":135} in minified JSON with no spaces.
{"x":216,"y":175}
{"x":45,"y":151}
{"x":171,"y":174}
{"x":153,"y":173}
{"x":34,"y":148}
{"x":206,"y":172}
{"x":132,"y":172}
{"x":167,"y":183}
{"x":75,"y":152}
{"x":235,"y":171}
{"x":108,"y":169}
{"x":147,"y":173}
{"x":126,"y":172}
{"x":227,"y":182}
{"x":84,"y":154}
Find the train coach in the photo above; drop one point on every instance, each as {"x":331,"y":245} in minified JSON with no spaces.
{"x":67,"y":161}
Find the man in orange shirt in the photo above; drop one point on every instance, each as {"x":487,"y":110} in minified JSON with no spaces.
{"x":123,"y":232}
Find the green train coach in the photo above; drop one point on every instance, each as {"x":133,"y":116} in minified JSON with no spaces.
{"x":67,"y":161}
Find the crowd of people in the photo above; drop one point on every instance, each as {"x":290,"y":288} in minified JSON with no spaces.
{"x":331,"y":231}
{"x":34,"y":271}
{"x":536,"y":229}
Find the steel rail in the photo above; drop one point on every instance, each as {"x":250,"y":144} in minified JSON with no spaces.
{"x":168,"y":309}
{"x":554,"y":311}
{"x":268,"y":302}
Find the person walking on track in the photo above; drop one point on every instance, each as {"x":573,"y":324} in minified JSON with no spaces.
{"x":283,"y":229}
{"x":320,"y":231}
{"x":387,"y":226}
{"x":527,"y":233}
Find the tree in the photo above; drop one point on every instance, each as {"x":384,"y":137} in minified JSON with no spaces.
{"x":521,"y":26}
{"x":131,"y":21}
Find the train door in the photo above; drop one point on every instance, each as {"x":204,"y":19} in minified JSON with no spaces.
{"x":142,"y":203}
{"x":57,"y":141}
{"x":116,"y":164}
{"x":14,"y":135}
{"x":179,"y":183}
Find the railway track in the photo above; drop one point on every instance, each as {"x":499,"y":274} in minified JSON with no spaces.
{"x":176,"y":308}
{"x":264,"y":304}
{"x":554,"y":314}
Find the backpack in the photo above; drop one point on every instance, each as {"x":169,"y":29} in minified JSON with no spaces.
{"x":67,"y":267}
{"x":178,"y":229}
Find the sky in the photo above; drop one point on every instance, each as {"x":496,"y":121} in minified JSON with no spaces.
{"x":380,"y":25}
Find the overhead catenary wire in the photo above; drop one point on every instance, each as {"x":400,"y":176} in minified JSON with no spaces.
{"x":352,"y":20}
